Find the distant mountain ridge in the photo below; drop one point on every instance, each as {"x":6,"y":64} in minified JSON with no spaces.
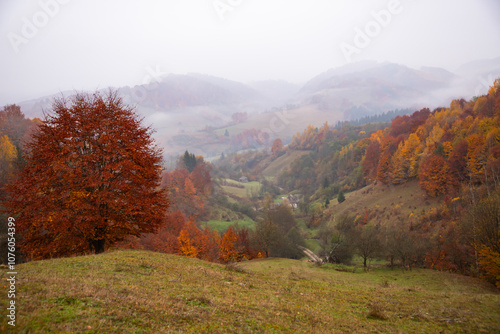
{"x":176,"y":91}
{"x":187,"y":110}
{"x":480,"y":67}
{"x":278,"y":92}
{"x":368,"y":86}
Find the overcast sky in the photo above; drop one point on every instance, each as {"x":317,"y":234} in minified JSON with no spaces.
{"x":47,"y":46}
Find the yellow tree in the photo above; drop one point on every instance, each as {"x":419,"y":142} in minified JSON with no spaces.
{"x":481,"y":106}
{"x":377,"y":136}
{"x":489,"y":262}
{"x":434,"y":137}
{"x":411,"y":153}
{"x":186,"y":245}
{"x":309,"y":137}
{"x":475,"y":157}
{"x":8,"y":155}
{"x":456,"y":107}
{"x":448,"y":148}
{"x":398,"y":167}
{"x":405,"y":160}
{"x":486,"y":229}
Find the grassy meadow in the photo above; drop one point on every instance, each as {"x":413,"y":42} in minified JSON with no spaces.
{"x":221,"y":226}
{"x":144,"y":292}
{"x":241,"y":189}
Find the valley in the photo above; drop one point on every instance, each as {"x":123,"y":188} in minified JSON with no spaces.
{"x":250,"y":167}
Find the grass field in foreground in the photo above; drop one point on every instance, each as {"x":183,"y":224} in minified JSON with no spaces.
{"x":145,"y":292}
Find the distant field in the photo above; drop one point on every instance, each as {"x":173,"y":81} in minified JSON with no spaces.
{"x":246,"y":191}
{"x":221,"y":226}
{"x":130,"y":291}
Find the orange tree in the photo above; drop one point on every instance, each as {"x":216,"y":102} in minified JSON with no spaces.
{"x":91,"y":178}
{"x":434,"y":175}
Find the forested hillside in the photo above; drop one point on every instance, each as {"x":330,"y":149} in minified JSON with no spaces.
{"x":452,"y":154}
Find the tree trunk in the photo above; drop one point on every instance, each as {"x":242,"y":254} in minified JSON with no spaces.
{"x":98,"y":246}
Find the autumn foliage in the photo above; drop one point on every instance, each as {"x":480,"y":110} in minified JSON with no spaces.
{"x":184,"y":237}
{"x":91,"y":178}
{"x":251,"y":138}
{"x":434,"y":175}
{"x":454,"y":155}
{"x":277,"y":147}
{"x":189,"y":188}
{"x":189,"y":185}
{"x":15,"y":130}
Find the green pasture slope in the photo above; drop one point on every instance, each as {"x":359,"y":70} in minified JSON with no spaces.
{"x":222,"y":226}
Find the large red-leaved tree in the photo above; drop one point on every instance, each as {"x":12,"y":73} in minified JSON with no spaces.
{"x":91,"y":178}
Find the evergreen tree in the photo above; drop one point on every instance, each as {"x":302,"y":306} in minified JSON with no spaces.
{"x":341,"y":197}
{"x":189,"y":160}
{"x":326,"y":182}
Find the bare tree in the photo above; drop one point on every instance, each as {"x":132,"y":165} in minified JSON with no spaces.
{"x":367,"y":242}
{"x":336,"y":240}
{"x":400,"y":242}
{"x":276,"y":232}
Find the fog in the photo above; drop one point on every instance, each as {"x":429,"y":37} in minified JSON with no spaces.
{"x":49,"y":46}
